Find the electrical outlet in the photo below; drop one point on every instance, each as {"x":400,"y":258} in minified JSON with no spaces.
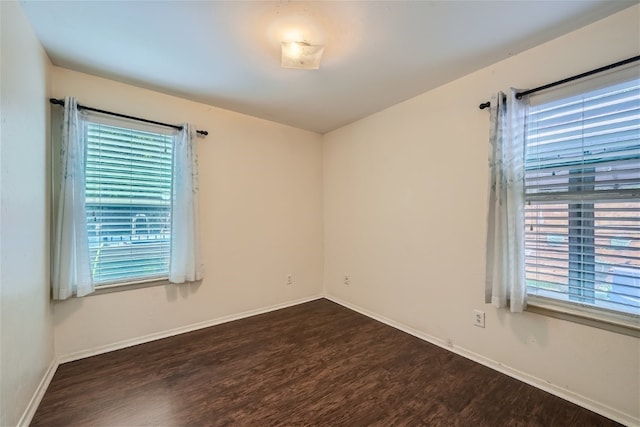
{"x":347,"y":281}
{"x":478,"y":318}
{"x":289,"y":279}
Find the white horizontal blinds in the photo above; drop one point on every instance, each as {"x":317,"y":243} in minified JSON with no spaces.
{"x":128,"y":203}
{"x":582,"y":184}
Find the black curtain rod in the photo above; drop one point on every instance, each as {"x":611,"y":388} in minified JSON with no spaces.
{"x":124,"y":116}
{"x":569,"y":79}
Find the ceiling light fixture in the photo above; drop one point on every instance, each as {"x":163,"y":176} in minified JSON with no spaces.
{"x":301,"y":55}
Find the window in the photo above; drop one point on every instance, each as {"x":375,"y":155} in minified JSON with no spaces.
{"x":582,"y":195}
{"x":128,"y":202}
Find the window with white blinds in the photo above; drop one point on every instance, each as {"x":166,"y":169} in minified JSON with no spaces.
{"x":582,"y":213}
{"x":128,"y":203}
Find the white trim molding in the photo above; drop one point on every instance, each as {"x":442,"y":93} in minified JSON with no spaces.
{"x":32,"y":407}
{"x":554,"y":389}
{"x":180,"y":330}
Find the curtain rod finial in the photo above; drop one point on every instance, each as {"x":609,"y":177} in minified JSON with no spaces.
{"x":484,"y":105}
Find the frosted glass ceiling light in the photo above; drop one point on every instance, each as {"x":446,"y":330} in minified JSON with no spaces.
{"x":301,"y":55}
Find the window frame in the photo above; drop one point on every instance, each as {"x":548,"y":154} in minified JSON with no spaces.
{"x":89,"y":117}
{"x":132,"y":282}
{"x":577,"y":311}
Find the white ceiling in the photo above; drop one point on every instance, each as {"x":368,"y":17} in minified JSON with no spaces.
{"x":227,"y":53}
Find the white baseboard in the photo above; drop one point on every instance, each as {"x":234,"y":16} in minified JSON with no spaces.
{"x":176,"y":331}
{"x":30,"y":411}
{"x":563,"y":393}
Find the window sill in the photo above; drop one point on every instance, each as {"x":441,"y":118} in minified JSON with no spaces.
{"x":119,"y":287}
{"x":614,"y":322}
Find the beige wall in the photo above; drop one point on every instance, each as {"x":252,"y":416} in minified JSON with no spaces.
{"x":405,"y":206}
{"x":261,"y":213}
{"x":26,"y":335}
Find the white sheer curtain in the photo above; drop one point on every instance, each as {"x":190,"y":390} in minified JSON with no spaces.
{"x":71,"y":274}
{"x":185,"y":264}
{"x":505,"y":269}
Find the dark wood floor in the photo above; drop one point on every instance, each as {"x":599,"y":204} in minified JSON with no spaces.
{"x":312,"y":364}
